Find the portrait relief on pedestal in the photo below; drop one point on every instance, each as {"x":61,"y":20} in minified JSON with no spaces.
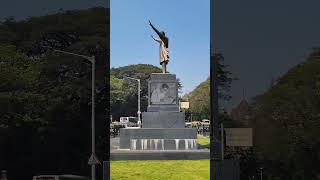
{"x":163,"y":93}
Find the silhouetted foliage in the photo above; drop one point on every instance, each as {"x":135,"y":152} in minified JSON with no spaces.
{"x":199,"y":98}
{"x":45,"y":97}
{"x":288,"y":122}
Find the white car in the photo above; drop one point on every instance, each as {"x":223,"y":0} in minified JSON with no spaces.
{"x":206,"y":122}
{"x":129,"y":121}
{"x":188,"y":124}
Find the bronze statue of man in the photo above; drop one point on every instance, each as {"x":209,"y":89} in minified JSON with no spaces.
{"x":164,"y":52}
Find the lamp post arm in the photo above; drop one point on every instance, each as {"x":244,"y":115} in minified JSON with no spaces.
{"x":91,"y":59}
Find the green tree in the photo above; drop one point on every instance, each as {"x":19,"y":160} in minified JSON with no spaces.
{"x":124,"y":96}
{"x":287,"y":118}
{"x":199,"y":98}
{"x":45,"y":98}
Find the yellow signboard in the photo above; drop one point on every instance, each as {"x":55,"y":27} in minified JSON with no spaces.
{"x":184,"y":105}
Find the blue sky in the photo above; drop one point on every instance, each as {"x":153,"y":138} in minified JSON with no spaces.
{"x":186,"y":23}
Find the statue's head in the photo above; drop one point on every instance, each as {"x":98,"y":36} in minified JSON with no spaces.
{"x":162,"y":32}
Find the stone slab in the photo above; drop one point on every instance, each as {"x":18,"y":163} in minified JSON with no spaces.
{"x":157,"y":108}
{"x":159,"y":155}
{"x":161,"y":76}
{"x":163,"y":119}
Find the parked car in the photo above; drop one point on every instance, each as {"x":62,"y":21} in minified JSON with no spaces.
{"x":188,"y":125}
{"x":206,"y":122}
{"x":59,"y":177}
{"x":129,"y":121}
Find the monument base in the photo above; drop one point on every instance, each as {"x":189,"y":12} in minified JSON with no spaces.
{"x":158,"y":139}
{"x":120,"y":155}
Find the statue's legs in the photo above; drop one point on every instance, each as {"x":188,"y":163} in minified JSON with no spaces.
{"x":164,"y":67}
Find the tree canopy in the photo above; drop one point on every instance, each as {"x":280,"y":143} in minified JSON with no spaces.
{"x":124,"y":97}
{"x":45,"y":97}
{"x":288,"y":122}
{"x":199,"y":98}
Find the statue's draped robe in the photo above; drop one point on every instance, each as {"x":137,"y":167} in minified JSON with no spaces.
{"x":164,"y":52}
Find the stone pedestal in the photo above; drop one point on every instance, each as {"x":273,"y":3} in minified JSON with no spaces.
{"x":163,"y":126}
{"x":163,"y":119}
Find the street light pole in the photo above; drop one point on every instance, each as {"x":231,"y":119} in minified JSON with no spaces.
{"x":222,"y":142}
{"x":93,"y":160}
{"x":93,"y":149}
{"x":139,"y":112}
{"x":261,"y":173}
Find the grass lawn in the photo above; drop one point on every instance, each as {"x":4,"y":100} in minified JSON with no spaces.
{"x":161,"y":169}
{"x":204,"y":141}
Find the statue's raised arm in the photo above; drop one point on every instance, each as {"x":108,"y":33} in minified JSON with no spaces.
{"x":161,"y":35}
{"x":156,"y":30}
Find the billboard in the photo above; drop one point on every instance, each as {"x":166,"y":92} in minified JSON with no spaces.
{"x":238,"y":136}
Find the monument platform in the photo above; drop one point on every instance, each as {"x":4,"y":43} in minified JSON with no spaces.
{"x":158,"y":138}
{"x":118,"y":155}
